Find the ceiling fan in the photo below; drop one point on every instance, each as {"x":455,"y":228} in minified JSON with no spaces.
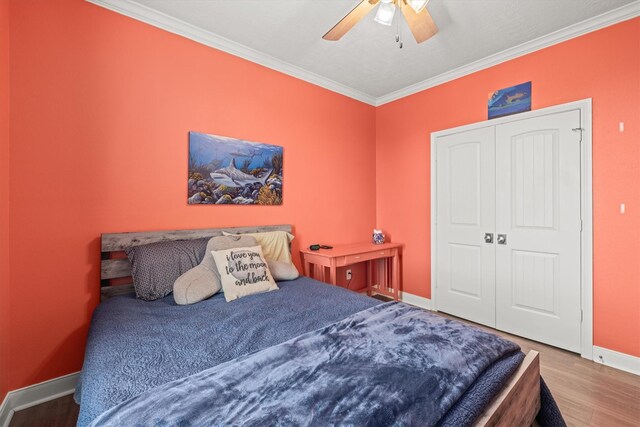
{"x":414,"y":11}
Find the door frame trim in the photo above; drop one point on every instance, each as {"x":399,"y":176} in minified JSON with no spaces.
{"x":586,"y":208}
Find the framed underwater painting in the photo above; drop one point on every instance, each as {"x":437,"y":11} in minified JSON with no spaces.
{"x":512,"y":100}
{"x":230,"y":171}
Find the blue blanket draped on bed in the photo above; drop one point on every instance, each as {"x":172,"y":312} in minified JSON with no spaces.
{"x":391,"y":364}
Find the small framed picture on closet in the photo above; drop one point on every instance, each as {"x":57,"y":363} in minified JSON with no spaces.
{"x":512,"y":100}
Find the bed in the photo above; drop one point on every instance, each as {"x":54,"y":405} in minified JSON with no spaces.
{"x":282,"y":352}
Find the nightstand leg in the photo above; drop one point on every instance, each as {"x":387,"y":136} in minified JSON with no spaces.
{"x":395,"y":280}
{"x":332,"y":273}
{"x":367,"y":266}
{"x":306,"y":269}
{"x":384,"y":283}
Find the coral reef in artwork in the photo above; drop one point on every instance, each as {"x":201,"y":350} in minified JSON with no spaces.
{"x":231,"y":171}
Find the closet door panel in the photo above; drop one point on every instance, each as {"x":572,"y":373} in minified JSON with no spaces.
{"x":538,"y":212}
{"x":465,"y":212}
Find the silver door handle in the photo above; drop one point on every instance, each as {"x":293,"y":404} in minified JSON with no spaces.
{"x":502,"y":239}
{"x":488,"y":237}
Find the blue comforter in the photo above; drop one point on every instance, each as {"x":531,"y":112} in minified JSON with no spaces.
{"x":136,"y":346}
{"x":391,"y":364}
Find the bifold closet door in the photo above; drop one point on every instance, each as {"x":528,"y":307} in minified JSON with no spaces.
{"x":538,"y":229}
{"x":465,"y":212}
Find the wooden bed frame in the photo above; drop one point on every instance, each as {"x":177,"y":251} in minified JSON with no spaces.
{"x":516,"y":405}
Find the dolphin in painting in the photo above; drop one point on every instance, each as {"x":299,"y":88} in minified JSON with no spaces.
{"x":515,"y":97}
{"x":237,"y":154}
{"x":233,"y":177}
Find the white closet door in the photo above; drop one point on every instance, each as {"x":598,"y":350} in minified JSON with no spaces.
{"x":465,"y":212}
{"x":538,"y":211}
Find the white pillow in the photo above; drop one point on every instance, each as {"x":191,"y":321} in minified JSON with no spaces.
{"x":202,"y":281}
{"x":275,"y":247}
{"x":243,"y":271}
{"x":275,"y":244}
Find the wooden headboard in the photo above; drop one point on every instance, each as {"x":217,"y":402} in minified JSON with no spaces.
{"x":115,"y":268}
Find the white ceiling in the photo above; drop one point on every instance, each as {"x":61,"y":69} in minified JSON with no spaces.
{"x":367,"y":63}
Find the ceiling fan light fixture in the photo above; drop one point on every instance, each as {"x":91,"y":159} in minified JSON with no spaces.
{"x":418,"y":5}
{"x":421,"y":23}
{"x":385,"y":13}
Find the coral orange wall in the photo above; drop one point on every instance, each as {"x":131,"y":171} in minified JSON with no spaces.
{"x":4,"y":195}
{"x":101,"y":105}
{"x":605,"y":66}
{"x":100,"y":110}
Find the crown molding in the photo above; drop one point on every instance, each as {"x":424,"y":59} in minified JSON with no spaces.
{"x":158,"y":19}
{"x":173,"y":25}
{"x":606,"y":19}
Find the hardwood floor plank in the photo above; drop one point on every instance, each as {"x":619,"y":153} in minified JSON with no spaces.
{"x":61,"y":412}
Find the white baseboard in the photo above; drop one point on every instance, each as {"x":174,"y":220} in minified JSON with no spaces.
{"x":421,"y":302}
{"x":32,"y":395}
{"x":622,"y":361}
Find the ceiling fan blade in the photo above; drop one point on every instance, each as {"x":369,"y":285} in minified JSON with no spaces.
{"x":351,"y":19}
{"x":421,"y":24}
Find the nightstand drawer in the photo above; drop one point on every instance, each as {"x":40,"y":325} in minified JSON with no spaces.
{"x":352,"y":259}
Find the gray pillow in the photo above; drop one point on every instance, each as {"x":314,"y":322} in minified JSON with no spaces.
{"x":203,"y":281}
{"x":154,"y":267}
{"x":282,"y":270}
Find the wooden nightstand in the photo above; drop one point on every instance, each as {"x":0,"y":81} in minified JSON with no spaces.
{"x":386,"y":254}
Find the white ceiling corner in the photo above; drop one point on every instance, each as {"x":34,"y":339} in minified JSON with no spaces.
{"x":366,"y":64}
